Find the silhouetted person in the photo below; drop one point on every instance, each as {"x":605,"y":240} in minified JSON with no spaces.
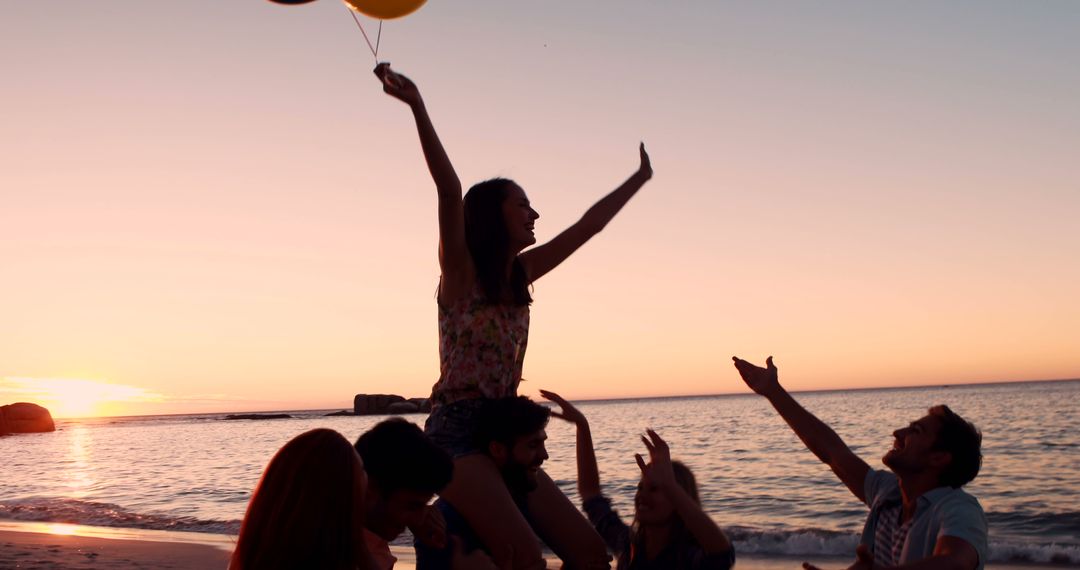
{"x":307,"y":510}
{"x":670,"y":530}
{"x":919,"y":515}
{"x":511,"y":431}
{"x":483,"y":300}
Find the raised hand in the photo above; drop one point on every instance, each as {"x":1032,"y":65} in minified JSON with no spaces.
{"x":761,"y":380}
{"x":646,"y":165}
{"x":659,"y":469}
{"x":398,"y":86}
{"x":569,"y":412}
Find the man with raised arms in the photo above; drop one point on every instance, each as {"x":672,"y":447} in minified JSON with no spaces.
{"x":920,"y":518}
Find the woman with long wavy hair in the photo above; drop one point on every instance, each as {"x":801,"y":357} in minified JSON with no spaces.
{"x":307,"y":510}
{"x":483,"y":301}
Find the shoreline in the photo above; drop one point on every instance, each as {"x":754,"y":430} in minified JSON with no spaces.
{"x":55,"y":546}
{"x":58,"y":546}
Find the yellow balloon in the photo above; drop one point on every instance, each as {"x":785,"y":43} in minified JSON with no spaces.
{"x":385,"y":9}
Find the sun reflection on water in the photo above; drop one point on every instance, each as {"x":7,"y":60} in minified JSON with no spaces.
{"x":80,"y":474}
{"x":61,"y":529}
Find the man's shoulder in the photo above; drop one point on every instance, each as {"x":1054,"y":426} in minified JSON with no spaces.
{"x":881,"y":477}
{"x":956,"y":513}
{"x":880,"y":486}
{"x":955,"y":499}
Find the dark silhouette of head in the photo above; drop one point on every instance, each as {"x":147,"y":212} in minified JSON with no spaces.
{"x":940,"y":444}
{"x":685,"y":478}
{"x":405,"y":469}
{"x":491,"y":245}
{"x":653,"y":510}
{"x":511,"y":431}
{"x":960,"y":439}
{"x":505,"y":420}
{"x":307,"y":510}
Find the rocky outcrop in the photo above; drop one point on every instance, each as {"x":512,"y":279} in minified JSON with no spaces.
{"x":383,"y":404}
{"x":258,"y":417}
{"x":23,"y":417}
{"x":404,"y":407}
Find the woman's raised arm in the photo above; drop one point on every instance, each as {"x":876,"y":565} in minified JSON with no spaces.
{"x":588,"y":472}
{"x":542,"y":259}
{"x":453,"y":251}
{"x":697,"y":521}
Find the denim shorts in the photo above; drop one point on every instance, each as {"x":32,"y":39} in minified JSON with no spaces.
{"x":453,"y":426}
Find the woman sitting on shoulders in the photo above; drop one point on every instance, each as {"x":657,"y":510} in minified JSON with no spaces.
{"x":670,"y":531}
{"x":487,"y":265}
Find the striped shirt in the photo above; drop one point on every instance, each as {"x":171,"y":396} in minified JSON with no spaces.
{"x":890,"y":534}
{"x":938,"y":513}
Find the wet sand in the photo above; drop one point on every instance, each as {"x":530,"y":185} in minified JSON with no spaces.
{"x":47,"y":551}
{"x":46,"y":546}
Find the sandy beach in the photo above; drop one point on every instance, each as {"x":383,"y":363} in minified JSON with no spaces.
{"x":41,"y":547}
{"x":46,"y":546}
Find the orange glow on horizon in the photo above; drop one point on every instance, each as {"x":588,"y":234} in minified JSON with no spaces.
{"x":76,"y":397}
{"x":213,"y":241}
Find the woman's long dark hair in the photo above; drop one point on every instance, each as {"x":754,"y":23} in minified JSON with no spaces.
{"x":301,"y":513}
{"x":489,"y":244}
{"x":679,"y":534}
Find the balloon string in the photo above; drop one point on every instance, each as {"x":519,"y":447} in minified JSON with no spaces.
{"x":378,"y":38}
{"x":374,"y":52}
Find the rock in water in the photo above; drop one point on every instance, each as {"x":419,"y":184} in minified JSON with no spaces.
{"x":381,"y":404}
{"x":23,"y":417}
{"x":372,"y":404}
{"x":402,"y":408}
{"x":423,"y":405}
{"x":258,"y":417}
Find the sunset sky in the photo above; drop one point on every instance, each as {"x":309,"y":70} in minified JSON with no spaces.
{"x":211,"y":206}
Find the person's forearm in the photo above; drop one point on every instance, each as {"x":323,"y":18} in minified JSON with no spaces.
{"x":588,"y":472}
{"x":818,"y":437}
{"x":698,"y":522}
{"x":438,"y":163}
{"x":602,"y":212}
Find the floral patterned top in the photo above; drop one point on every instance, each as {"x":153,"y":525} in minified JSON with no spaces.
{"x":481,"y":349}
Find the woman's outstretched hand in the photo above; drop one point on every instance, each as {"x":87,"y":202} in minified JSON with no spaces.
{"x":398,"y":86}
{"x":569,"y":412}
{"x":645,"y":170}
{"x":659,"y":469}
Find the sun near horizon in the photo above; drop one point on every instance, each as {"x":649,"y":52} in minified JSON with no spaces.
{"x":246,"y":222}
{"x":73,"y":398}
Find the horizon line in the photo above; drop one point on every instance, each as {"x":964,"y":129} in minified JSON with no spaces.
{"x":623,"y":398}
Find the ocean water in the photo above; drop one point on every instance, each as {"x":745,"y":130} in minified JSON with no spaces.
{"x":196,"y":472}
